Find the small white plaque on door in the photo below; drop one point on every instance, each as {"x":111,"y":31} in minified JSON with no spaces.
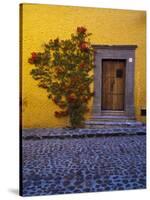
{"x":130,"y":59}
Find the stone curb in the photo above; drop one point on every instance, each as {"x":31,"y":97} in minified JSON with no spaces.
{"x":62,"y":133}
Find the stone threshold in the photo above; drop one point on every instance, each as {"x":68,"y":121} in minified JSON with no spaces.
{"x":62,"y":133}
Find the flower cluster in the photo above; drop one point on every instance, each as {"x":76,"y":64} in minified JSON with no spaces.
{"x":84,"y":46}
{"x":81,"y":30}
{"x":71,"y":98}
{"x":33,"y":58}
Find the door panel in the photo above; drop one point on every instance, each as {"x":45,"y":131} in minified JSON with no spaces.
{"x":113,"y":83}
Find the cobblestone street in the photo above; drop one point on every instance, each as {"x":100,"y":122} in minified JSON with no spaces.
{"x":74,"y":165}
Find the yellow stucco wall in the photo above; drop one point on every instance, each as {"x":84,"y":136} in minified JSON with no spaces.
{"x":44,"y":22}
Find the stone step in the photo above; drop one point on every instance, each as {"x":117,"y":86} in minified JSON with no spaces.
{"x":113,"y":113}
{"x":114,"y":123}
{"x":109,"y":127}
{"x":112,"y":118}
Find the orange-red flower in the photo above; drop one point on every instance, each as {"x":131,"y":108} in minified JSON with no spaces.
{"x":84,"y":46}
{"x":57,"y":114}
{"x":81,"y":29}
{"x":34,"y":55}
{"x":82,"y":65}
{"x":33,"y":58}
{"x":71,"y":98}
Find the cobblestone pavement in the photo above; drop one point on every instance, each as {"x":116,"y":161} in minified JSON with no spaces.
{"x":74,"y":165}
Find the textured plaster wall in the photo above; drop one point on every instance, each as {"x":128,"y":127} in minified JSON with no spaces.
{"x":44,"y":22}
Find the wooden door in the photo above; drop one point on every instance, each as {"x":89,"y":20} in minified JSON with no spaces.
{"x":113,"y":84}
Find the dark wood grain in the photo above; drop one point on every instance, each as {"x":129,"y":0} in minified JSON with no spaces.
{"x":113,"y":84}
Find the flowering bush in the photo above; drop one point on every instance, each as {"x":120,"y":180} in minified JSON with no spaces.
{"x":63,"y":70}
